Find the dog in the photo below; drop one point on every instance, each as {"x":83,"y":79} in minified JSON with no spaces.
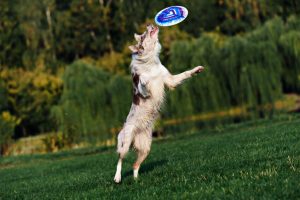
{"x":149,"y":79}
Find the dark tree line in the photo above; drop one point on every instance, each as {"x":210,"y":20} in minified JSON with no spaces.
{"x":55,"y":31}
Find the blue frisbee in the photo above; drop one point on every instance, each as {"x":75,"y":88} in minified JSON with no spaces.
{"x":171,"y":15}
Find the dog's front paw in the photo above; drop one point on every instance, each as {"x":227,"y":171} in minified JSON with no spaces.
{"x":144,"y":81}
{"x":117,"y":178}
{"x":142,"y":87}
{"x":197,"y":70}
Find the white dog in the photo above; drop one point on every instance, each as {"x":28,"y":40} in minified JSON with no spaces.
{"x":149,"y":79}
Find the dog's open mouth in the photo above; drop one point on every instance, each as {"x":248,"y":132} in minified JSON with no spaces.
{"x":153,"y":31}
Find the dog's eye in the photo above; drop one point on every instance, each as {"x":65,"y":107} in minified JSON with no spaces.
{"x":141,"y":47}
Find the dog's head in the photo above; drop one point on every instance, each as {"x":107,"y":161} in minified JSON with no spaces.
{"x":147,"y":42}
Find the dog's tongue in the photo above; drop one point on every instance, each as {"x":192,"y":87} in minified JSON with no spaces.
{"x":153,"y":31}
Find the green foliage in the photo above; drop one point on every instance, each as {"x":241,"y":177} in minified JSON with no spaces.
{"x":50,"y":32}
{"x":290,"y":45}
{"x":293,"y":23}
{"x":30,"y":96}
{"x":239,"y":69}
{"x":12,"y":43}
{"x":286,"y":39}
{"x":3,"y":96}
{"x":184,"y":54}
{"x":120,"y":96}
{"x":248,"y":69}
{"x":55,"y":142}
{"x":270,"y":31}
{"x":93,"y":102}
{"x":8,"y":123}
{"x":249,"y":72}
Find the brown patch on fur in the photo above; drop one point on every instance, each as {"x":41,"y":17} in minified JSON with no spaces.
{"x":138,"y":48}
{"x":135,"y":79}
{"x":136,"y":166}
{"x":136,"y":97}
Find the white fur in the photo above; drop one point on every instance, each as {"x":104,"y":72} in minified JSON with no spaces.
{"x":117,"y":178}
{"x":153,"y":77}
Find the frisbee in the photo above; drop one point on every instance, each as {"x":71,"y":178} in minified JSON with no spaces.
{"x":171,"y":15}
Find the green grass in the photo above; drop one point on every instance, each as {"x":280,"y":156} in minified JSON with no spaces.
{"x":256,"y":160}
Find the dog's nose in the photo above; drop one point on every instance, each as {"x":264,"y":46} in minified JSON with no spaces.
{"x":150,"y":26}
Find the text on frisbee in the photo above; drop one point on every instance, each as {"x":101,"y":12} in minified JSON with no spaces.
{"x":171,"y":15}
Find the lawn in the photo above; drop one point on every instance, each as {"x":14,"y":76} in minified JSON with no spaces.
{"x":254,"y":160}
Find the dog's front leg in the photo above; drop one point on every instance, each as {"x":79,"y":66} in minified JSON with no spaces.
{"x":124,"y":141}
{"x":142,"y":87}
{"x":117,"y":178}
{"x":172,"y":81}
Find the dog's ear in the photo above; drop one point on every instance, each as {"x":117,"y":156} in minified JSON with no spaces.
{"x":133,"y":48}
{"x":137,"y":37}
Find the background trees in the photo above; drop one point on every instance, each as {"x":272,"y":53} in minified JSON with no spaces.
{"x":250,"y":49}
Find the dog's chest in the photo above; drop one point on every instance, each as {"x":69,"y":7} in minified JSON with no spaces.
{"x":153,"y":80}
{"x":153,"y":77}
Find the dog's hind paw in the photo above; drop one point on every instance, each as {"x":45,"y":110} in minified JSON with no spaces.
{"x":135,"y":174}
{"x":117,"y":178}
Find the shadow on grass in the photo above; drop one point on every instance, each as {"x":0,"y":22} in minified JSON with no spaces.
{"x":147,"y":167}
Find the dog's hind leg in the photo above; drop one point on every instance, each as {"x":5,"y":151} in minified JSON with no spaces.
{"x":141,"y":156}
{"x":124,"y":142}
{"x":118,"y":175}
{"x":142,"y":144}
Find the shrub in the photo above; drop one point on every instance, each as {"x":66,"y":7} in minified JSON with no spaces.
{"x":290,"y":46}
{"x":93,"y":102}
{"x":8,"y":123}
{"x":30,"y":96}
{"x":240,"y":71}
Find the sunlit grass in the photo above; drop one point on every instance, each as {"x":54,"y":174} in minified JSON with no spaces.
{"x":254,"y":160}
